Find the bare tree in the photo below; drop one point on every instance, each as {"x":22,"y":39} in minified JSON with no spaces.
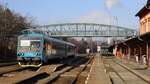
{"x":11,"y":24}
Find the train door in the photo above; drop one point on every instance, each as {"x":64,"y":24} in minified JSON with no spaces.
{"x":47,"y":50}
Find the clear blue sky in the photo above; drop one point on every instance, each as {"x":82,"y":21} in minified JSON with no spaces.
{"x":57,"y":11}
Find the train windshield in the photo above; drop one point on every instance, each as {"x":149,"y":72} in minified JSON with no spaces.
{"x":29,"y":45}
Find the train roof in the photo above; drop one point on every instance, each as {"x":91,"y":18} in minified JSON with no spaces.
{"x":48,"y":38}
{"x":59,"y":41}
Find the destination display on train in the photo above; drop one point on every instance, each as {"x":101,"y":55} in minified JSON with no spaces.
{"x":27,"y":41}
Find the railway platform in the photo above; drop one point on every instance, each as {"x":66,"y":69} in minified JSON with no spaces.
{"x":97,"y":74}
{"x":140,"y":70}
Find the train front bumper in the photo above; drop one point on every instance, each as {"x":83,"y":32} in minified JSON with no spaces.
{"x":29,"y":61}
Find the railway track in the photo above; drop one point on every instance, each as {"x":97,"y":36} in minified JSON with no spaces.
{"x":21,"y":76}
{"x":7,"y":64}
{"x":68,"y":72}
{"x":120,"y":74}
{"x":9,"y":69}
{"x":72,"y":75}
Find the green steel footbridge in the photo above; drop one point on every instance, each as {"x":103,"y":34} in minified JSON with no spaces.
{"x":82,"y":30}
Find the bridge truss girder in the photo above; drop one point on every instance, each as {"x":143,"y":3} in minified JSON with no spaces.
{"x":82,"y":30}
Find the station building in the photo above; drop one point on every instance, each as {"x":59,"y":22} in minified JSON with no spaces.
{"x":144,"y":15}
{"x":137,"y":49}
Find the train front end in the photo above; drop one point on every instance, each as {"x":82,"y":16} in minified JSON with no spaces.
{"x":29,"y":50}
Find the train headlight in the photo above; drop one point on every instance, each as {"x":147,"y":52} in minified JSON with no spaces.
{"x":20,"y":54}
{"x":36,"y":54}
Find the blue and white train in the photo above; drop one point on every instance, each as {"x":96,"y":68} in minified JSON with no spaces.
{"x":35,"y":49}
